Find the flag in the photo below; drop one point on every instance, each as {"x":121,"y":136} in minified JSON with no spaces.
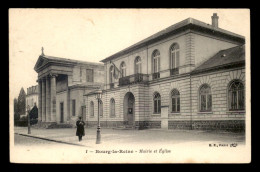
{"x":116,"y":71}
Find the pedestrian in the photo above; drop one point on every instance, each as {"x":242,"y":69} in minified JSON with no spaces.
{"x":80,"y":128}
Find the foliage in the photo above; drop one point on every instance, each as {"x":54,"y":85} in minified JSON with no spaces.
{"x":34,"y":115}
{"x":21,"y":102}
{"x":16,"y":114}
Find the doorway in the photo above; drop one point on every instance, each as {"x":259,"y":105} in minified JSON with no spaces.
{"x":129,"y":109}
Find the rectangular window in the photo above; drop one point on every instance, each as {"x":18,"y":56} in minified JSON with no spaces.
{"x":89,"y":75}
{"x":80,"y":74}
{"x":73,"y":107}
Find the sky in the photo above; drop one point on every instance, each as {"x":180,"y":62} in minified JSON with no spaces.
{"x":94,"y":34}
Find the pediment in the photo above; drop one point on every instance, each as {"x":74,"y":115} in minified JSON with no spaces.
{"x":40,"y":62}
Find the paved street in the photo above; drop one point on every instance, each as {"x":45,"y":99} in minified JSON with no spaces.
{"x":177,"y":145}
{"x":126,"y":137}
{"x":27,"y":141}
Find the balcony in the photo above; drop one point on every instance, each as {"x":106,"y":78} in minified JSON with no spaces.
{"x":174,"y":71}
{"x":133,"y":79}
{"x":156,"y":75}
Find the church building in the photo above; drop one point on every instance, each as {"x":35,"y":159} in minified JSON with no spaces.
{"x":61,"y":86}
{"x":190,"y":75}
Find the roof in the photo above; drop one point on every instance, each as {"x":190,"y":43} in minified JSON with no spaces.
{"x":60,"y":59}
{"x":188,"y":23}
{"x":94,"y":92}
{"x":224,"y":58}
{"x":44,"y":60}
{"x":87,"y":84}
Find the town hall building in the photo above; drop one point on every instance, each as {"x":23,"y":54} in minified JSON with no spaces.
{"x":190,"y":75}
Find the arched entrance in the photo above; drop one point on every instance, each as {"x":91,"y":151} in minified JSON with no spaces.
{"x":129,"y":109}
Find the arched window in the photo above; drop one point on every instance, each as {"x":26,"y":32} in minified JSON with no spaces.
{"x":138,"y":65}
{"x":156,"y":61}
{"x":112,"y":107}
{"x":123,"y":69}
{"x":111,"y":76}
{"x":157,"y":103}
{"x":175,"y":56}
{"x":205,"y":98}
{"x":236,"y":95}
{"x":175,"y":97}
{"x":91,"y":109}
{"x":100,"y":108}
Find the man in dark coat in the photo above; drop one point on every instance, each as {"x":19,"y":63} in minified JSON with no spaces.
{"x":80,"y":128}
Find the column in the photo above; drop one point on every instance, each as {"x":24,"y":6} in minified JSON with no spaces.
{"x":43,"y":100}
{"x":53,"y":98}
{"x":48,"y":98}
{"x":39,"y":100}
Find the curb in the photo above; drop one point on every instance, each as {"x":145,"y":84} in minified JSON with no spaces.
{"x":57,"y":141}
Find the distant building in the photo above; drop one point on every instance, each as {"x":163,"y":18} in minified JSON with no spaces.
{"x":62,"y":84}
{"x":32,"y":96}
{"x":190,"y":75}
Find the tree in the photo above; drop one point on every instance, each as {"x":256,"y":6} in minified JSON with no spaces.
{"x":16,"y":114}
{"x":34,"y":115}
{"x":21,"y":102}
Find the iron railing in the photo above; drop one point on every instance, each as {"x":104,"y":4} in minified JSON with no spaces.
{"x":156,"y":75}
{"x":133,"y":79}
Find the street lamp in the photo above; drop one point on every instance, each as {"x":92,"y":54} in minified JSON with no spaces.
{"x":98,"y":95}
{"x":29,"y":124}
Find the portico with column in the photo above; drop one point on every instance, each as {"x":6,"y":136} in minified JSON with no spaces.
{"x":61,"y":85}
{"x":47,"y":98}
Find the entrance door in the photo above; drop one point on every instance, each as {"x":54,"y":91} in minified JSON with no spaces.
{"x":130,"y":111}
{"x":61,"y":113}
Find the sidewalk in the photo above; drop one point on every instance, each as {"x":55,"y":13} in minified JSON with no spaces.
{"x":131,"y":137}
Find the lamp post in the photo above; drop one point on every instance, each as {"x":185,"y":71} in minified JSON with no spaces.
{"x":29,"y":124}
{"x":98,"y":97}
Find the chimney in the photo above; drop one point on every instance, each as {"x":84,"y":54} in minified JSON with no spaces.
{"x":214,"y":20}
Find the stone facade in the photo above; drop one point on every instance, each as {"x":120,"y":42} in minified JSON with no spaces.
{"x":198,"y":43}
{"x":61,"y":82}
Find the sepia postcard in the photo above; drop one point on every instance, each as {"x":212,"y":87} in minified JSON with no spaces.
{"x":129,"y":86}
